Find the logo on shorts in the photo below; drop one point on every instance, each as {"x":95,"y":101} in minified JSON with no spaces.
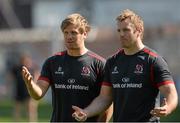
{"x":138,"y":69}
{"x":85,"y":71}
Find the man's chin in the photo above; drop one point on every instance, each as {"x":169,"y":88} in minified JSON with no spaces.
{"x":124,"y":46}
{"x":72,"y":48}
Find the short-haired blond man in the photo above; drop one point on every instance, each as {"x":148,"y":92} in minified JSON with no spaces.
{"x":134,"y":77}
{"x":74,"y":75}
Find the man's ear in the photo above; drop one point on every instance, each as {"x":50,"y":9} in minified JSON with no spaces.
{"x":85,"y":35}
{"x":138,"y":33}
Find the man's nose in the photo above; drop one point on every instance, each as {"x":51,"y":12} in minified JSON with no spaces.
{"x":121,"y":33}
{"x":69,"y":35}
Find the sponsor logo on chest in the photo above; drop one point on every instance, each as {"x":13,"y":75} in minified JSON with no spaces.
{"x":59,"y":71}
{"x":115,"y":70}
{"x":71,"y":85}
{"x":126,"y":82}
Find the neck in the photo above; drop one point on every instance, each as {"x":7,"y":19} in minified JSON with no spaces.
{"x":77,"y":52}
{"x":134,"y":49}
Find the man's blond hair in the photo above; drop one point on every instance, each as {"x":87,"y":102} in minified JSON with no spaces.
{"x":78,"y":20}
{"x":134,"y":18}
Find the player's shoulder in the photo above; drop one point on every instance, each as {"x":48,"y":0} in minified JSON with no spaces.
{"x":151,"y":52}
{"x":95,"y":56}
{"x":62,"y":53}
{"x":153,"y":55}
{"x":116,"y":54}
{"x":56,"y":55}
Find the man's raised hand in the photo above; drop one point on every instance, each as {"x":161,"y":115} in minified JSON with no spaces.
{"x":27,"y":77}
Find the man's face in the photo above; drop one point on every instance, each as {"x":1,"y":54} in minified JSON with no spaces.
{"x":127,"y":33}
{"x":73,"y":38}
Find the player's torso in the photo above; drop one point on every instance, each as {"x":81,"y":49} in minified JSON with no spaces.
{"x":130,"y":72}
{"x":74,"y":74}
{"x":74,"y":82}
{"x":132,"y":88}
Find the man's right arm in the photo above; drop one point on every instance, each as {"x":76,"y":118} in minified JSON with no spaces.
{"x":36,"y":90}
{"x":98,"y":105}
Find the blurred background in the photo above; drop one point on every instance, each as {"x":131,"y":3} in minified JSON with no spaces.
{"x":33,"y":27}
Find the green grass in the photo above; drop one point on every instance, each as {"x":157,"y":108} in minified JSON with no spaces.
{"x":174,"y":117}
{"x":45,"y":109}
{"x":6,"y":112}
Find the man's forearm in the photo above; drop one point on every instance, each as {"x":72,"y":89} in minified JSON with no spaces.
{"x":99,"y":105}
{"x":172,"y":101}
{"x":107,"y":115}
{"x":35,"y":91}
{"x":170,"y":93}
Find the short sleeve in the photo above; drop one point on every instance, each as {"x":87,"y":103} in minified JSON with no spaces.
{"x":46,"y":71}
{"x":162,"y":74}
{"x":107,"y":74}
{"x":100,"y":70}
